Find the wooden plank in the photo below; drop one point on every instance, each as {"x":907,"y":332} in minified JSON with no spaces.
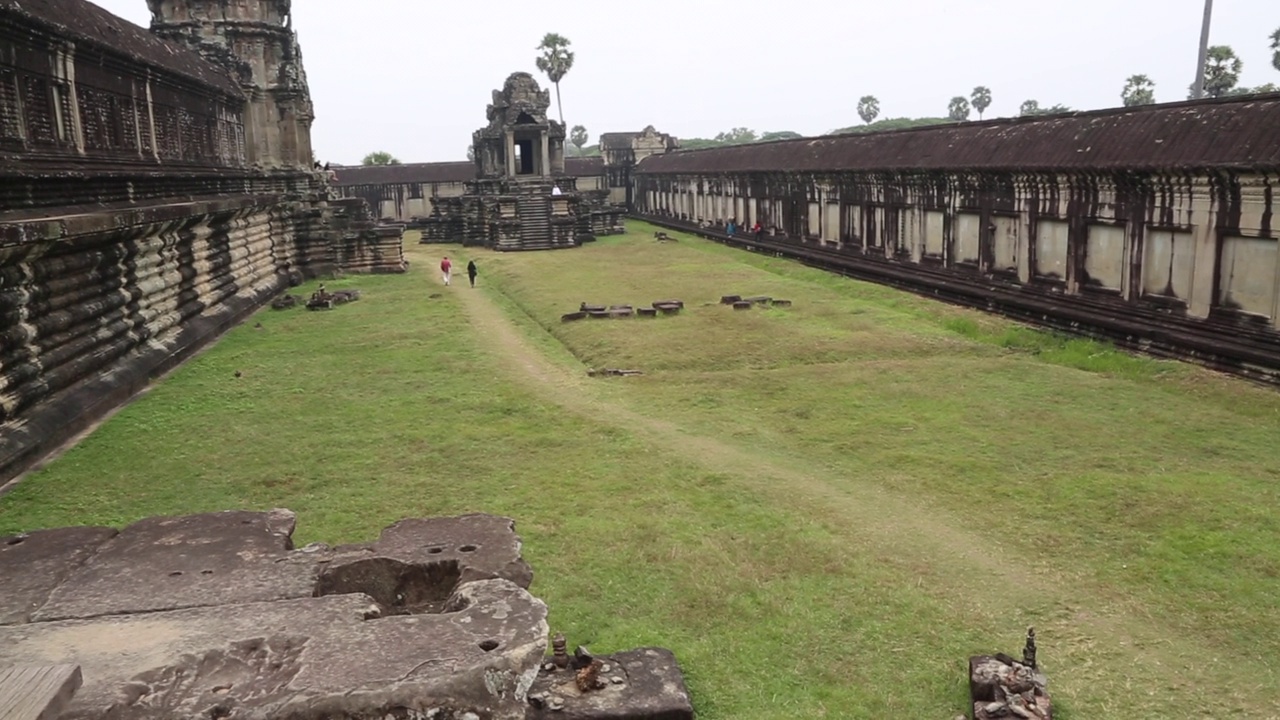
{"x":37,"y":692}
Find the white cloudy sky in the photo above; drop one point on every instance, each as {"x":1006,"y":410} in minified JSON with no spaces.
{"x":412,"y":77}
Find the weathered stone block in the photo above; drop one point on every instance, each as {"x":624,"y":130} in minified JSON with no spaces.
{"x":306,"y":658}
{"x":33,"y":564}
{"x":642,"y":684}
{"x":166,"y":563}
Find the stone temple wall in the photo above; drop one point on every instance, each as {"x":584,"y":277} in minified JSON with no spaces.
{"x":137,"y":223}
{"x":1154,"y":226}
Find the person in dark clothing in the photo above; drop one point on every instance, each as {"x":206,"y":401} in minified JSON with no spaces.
{"x":472,"y":272}
{"x":758,"y":229}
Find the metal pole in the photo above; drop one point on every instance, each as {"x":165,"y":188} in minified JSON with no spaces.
{"x":1197,"y":89}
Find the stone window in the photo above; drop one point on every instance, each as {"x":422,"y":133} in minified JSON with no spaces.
{"x":10,"y":106}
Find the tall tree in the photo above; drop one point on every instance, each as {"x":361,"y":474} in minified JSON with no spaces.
{"x":471,"y":153}
{"x":379,"y":158}
{"x":578,"y":136}
{"x":1138,"y":90}
{"x":780,"y":135}
{"x":981,"y":99}
{"x":868,"y":108}
{"x":1275,"y":49}
{"x":1261,"y":89}
{"x":959,"y":109}
{"x":1221,"y":72}
{"x":737,"y":136}
{"x":1030,"y":107}
{"x":556,"y":61}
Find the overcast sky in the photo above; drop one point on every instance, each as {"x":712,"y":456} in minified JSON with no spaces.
{"x":413,"y":77}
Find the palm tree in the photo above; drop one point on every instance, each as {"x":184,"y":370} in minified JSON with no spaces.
{"x":1138,"y":90}
{"x":556,"y":61}
{"x":1275,"y":48}
{"x":868,"y":108}
{"x":380,"y":157}
{"x":1222,"y":71}
{"x":578,"y":136}
{"x":981,"y":99}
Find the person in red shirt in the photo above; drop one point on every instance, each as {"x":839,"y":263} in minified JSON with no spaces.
{"x":446,"y":268}
{"x":757,"y":229}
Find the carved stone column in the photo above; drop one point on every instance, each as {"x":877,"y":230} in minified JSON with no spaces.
{"x":511,"y":154}
{"x":546,"y":154}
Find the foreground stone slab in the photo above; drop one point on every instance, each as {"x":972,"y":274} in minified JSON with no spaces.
{"x":217,"y":616}
{"x":484,"y":546}
{"x":642,"y":684}
{"x":230,"y":558}
{"x":33,"y":564}
{"x":308,"y":658}
{"x":167,"y":563}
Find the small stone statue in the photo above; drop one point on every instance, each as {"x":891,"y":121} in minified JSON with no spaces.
{"x":560,"y":657}
{"x":1029,"y":652}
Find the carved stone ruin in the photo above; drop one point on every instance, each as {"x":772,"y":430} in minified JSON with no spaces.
{"x":1001,"y":687}
{"x":219,"y":616}
{"x":521,"y":199}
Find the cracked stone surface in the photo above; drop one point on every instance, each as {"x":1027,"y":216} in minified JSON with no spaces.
{"x":227,"y":558}
{"x":33,"y":564}
{"x":306,"y":658}
{"x":166,"y":563}
{"x":218,"y":616}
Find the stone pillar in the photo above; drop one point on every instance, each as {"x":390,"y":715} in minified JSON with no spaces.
{"x":546,"y":154}
{"x":511,"y":154}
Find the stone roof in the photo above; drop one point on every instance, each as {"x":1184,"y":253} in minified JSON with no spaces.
{"x":408,"y":173}
{"x":86,"y":22}
{"x":584,"y":166}
{"x":617,"y":140}
{"x":441,"y":172}
{"x":1239,"y":132}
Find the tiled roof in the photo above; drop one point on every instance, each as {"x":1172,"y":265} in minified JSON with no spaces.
{"x":1242,"y":132}
{"x":86,"y":22}
{"x":442,"y":172}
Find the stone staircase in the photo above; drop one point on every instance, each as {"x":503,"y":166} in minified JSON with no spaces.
{"x":534,"y":209}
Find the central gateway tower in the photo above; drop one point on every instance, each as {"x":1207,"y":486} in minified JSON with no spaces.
{"x":521,"y":198}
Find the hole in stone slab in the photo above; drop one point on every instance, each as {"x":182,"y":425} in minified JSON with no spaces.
{"x":175,"y":573}
{"x":467,"y":548}
{"x":489,"y":645}
{"x":206,"y":572}
{"x":400,"y":588}
{"x":435,"y":551}
{"x":15,"y":541}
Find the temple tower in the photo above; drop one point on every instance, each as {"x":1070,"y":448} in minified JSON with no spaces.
{"x":521,"y":198}
{"x":520,"y":141}
{"x":253,"y":39}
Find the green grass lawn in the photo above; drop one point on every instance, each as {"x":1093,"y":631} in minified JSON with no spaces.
{"x":823,"y":510}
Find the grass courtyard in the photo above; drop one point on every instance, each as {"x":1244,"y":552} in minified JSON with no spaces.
{"x":823,"y":510}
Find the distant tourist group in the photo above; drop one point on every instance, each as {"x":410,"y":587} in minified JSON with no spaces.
{"x":732,"y":227}
{"x":446,"y":270}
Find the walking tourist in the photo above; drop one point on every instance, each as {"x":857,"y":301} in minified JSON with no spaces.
{"x":446,"y":268}
{"x":472,"y":272}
